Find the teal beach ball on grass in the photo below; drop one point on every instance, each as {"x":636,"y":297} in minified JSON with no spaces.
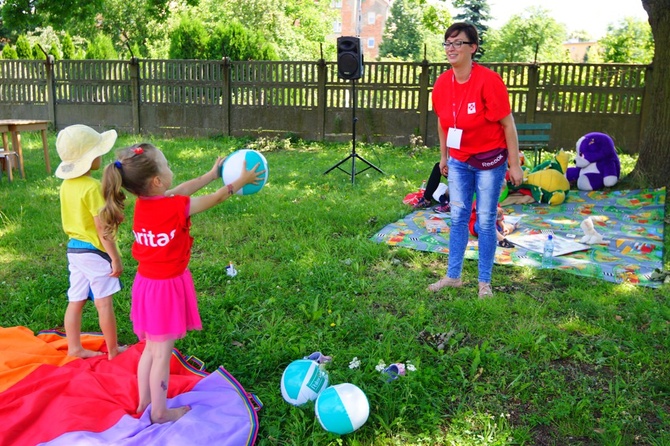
{"x":342,"y":408}
{"x":232,"y":168}
{"x":302,"y":381}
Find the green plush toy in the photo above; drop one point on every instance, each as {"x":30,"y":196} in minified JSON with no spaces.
{"x":546,"y":182}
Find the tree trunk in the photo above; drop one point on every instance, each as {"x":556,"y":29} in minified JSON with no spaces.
{"x":653,"y":164}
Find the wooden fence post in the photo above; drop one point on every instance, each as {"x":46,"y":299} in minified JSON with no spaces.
{"x":227,"y":95}
{"x":423,"y":100}
{"x":321,"y":100}
{"x":531,"y":101}
{"x":51,"y":89}
{"x":135,"y":94}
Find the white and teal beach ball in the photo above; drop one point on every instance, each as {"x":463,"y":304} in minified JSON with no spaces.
{"x":342,"y":408}
{"x":232,"y":168}
{"x":302,"y":381}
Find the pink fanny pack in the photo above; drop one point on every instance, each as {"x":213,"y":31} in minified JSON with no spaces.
{"x":488,"y":160}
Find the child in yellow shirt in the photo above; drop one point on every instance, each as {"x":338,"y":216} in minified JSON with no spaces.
{"x":94,"y":261}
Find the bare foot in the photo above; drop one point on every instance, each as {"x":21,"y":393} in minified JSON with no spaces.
{"x":170,"y":415}
{"x":116,"y":351}
{"x":83,"y":353}
{"x":140,"y":408}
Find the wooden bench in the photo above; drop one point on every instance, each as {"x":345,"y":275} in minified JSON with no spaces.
{"x":534,"y":137}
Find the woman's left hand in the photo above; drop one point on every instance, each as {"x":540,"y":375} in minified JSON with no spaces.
{"x":515,"y":175}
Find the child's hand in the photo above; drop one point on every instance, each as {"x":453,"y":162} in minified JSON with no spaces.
{"x":252,"y":176}
{"x":216,"y":168}
{"x":117,"y":268}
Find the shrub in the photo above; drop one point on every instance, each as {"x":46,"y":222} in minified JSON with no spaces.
{"x":23,"y":49}
{"x":188,"y":40}
{"x":38,"y":54}
{"x":101,"y":48}
{"x":236,"y":42}
{"x":9,"y":52}
{"x":68,"y":47}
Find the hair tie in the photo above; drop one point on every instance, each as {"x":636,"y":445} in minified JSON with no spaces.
{"x":118,"y":164}
{"x":138,"y":150}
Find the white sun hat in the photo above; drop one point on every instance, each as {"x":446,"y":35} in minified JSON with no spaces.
{"x":78,"y":145}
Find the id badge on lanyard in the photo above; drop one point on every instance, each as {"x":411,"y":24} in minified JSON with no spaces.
{"x":454,"y":134}
{"x":454,"y":138}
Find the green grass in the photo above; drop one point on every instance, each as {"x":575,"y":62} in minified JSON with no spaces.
{"x":553,"y":359}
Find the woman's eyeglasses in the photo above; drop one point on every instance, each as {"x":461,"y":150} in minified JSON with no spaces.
{"x":457,"y":44}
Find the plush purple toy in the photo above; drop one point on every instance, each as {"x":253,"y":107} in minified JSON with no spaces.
{"x":597,"y":163}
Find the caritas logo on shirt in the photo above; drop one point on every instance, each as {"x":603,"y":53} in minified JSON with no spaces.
{"x":153,"y":240}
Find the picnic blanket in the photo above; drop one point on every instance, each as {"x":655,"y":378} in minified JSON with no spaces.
{"x":631,"y":222}
{"x":50,"y":398}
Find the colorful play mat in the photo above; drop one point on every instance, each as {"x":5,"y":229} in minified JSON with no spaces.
{"x":49,"y":398}
{"x":630,"y":221}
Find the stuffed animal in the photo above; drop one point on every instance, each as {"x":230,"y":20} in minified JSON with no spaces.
{"x":597,"y":163}
{"x":591,"y":236}
{"x":546,"y":182}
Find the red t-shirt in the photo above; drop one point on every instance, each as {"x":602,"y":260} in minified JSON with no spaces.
{"x":163,"y":242}
{"x":479,"y":104}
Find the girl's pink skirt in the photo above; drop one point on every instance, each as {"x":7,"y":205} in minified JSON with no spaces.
{"x":164,"y":309}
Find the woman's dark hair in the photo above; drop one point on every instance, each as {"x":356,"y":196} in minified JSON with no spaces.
{"x":468,"y":28}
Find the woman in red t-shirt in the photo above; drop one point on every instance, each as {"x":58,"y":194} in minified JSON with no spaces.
{"x":164,"y":305}
{"x":477,"y":140}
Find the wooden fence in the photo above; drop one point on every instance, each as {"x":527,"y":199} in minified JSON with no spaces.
{"x":309,"y":100}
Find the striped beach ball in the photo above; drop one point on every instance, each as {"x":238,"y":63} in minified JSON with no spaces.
{"x":302,"y":381}
{"x":232,"y":168}
{"x":342,"y":408}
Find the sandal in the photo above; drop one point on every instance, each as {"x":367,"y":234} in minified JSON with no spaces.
{"x":485,"y":290}
{"x":445,"y":282}
{"x":421,"y":204}
{"x":504,"y":243}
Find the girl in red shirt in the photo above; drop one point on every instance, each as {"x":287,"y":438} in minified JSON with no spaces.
{"x":164,"y":305}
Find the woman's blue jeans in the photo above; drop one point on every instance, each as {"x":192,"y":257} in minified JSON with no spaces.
{"x":464,"y":182}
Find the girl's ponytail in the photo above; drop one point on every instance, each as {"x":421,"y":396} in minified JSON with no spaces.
{"x":112,"y":214}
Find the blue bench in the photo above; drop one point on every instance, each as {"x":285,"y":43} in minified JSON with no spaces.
{"x":535,"y":137}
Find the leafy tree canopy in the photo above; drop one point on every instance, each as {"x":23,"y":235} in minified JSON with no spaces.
{"x":629,"y":41}
{"x":412,"y":26}
{"x":237,"y":43}
{"x":532,"y":36}
{"x":476,"y":12}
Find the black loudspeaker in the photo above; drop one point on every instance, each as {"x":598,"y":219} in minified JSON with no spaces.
{"x":349,"y":57}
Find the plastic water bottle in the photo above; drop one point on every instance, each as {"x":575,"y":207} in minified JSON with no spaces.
{"x":423,"y":185}
{"x":548,"y":253}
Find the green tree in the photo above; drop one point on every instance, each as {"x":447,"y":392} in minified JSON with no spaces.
{"x":189,"y":40}
{"x":532,"y":36}
{"x":629,"y":41}
{"x":53,"y":51}
{"x":236,"y":42}
{"x":296,"y":28}
{"x":68,"y":46}
{"x":8,"y":52}
{"x":653,"y":163}
{"x":403,"y":37}
{"x":23,"y":48}
{"x":476,"y":12}
{"x":38,"y":53}
{"x":101,"y":48}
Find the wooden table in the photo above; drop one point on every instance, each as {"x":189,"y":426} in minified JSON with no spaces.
{"x":15,"y":127}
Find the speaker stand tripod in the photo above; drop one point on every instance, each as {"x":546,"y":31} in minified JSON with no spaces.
{"x":353,"y":155}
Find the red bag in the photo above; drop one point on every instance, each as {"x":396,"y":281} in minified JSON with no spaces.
{"x":413,"y":198}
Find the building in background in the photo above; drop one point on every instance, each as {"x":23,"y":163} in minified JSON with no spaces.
{"x":368,"y":23}
{"x":579,"y":51}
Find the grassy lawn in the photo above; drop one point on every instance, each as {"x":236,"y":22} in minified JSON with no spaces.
{"x":552,"y":359}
